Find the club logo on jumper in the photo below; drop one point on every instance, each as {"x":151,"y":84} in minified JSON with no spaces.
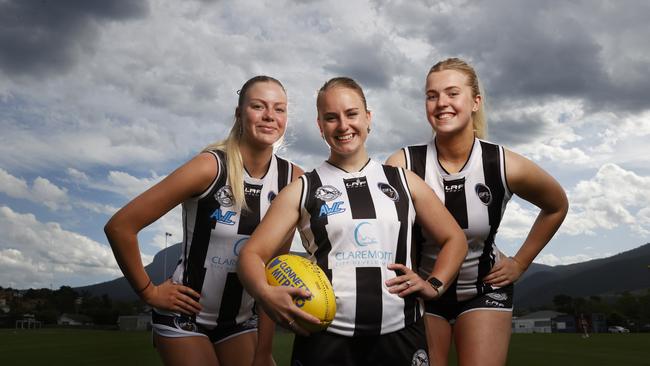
{"x":327,"y":193}
{"x":336,"y":208}
{"x":354,"y":183}
{"x":224,"y":196}
{"x":285,"y":276}
{"x":223,"y":218}
{"x":389,"y":191}
{"x":185,"y":324}
{"x":420,"y":358}
{"x":253,"y":191}
{"x":271,"y":196}
{"x":497,"y":296}
{"x":363,"y":234}
{"x":483,"y":193}
{"x":454,"y":188}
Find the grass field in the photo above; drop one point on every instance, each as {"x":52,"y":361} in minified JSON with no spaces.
{"x":95,"y":347}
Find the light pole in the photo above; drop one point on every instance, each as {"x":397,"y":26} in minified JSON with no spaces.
{"x":167,"y":235}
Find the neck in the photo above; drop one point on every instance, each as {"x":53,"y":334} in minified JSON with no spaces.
{"x":350,"y":163}
{"x":256,"y":160}
{"x":454,"y":150}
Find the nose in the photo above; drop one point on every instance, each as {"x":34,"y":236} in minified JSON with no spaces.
{"x":269,"y":115}
{"x":442,"y":101}
{"x":344,"y":123}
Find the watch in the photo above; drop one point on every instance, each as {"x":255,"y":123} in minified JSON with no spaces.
{"x":436,"y":284}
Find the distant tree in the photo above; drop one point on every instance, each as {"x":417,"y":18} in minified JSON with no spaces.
{"x":563,"y":303}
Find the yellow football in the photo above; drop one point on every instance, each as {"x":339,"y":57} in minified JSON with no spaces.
{"x":296,"y":271}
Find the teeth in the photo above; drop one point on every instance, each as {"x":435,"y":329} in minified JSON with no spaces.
{"x":444,"y":115}
{"x":344,"y":137}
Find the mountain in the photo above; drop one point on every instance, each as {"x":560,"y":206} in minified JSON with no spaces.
{"x":626,"y":271}
{"x":119,"y":288}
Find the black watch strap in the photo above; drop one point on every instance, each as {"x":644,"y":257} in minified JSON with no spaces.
{"x":436,"y":284}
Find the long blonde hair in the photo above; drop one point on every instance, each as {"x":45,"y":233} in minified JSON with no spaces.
{"x":230,"y":145}
{"x":479,"y":118}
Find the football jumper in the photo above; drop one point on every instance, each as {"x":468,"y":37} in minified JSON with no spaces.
{"x":214,"y":231}
{"x":476,"y":197}
{"x":354,"y":225}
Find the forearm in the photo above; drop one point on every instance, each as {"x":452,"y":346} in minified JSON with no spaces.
{"x":251,"y":271}
{"x":449,"y":260}
{"x":545,"y":226}
{"x":127,"y":254}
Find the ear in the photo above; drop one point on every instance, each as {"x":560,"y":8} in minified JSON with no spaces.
{"x":237,"y":112}
{"x":369,"y":117}
{"x":320,"y":129}
{"x":477,"y":103}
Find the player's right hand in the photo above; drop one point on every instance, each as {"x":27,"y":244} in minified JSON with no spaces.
{"x":173,"y":297}
{"x":278,"y":304}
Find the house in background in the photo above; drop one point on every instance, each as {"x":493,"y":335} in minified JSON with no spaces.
{"x":74,"y":320}
{"x":537,"y":322}
{"x":134,"y":322}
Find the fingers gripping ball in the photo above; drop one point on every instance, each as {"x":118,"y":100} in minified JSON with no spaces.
{"x":295,"y":271}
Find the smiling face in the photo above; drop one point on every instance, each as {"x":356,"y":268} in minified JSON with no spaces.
{"x":343,"y":120}
{"x":450,"y":103}
{"x":263,"y":114}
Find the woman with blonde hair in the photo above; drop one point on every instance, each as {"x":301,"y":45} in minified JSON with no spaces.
{"x":475,"y":179}
{"x":202,"y":315}
{"x":355,"y":217}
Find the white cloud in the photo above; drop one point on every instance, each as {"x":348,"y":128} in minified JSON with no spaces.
{"x":42,"y":191}
{"x":38,"y":254}
{"x":613,"y":197}
{"x":553,"y":260}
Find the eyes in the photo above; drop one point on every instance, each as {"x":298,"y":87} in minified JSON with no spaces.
{"x":450,"y":94}
{"x":333,"y":117}
{"x":261,"y":107}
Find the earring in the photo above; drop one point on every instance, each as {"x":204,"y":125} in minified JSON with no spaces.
{"x":368,"y":129}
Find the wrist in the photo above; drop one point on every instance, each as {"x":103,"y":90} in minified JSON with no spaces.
{"x":436,"y":284}
{"x":519,"y":263}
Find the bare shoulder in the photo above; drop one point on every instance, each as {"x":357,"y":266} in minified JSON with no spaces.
{"x":397,"y":159}
{"x":297,"y":172}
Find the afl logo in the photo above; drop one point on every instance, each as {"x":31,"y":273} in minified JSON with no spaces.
{"x":224,"y":196}
{"x":389,"y":191}
{"x":483,"y":193}
{"x":327,"y":193}
{"x":271,"y":196}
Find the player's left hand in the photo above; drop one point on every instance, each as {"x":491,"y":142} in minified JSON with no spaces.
{"x":505,"y":272}
{"x":409,"y":283}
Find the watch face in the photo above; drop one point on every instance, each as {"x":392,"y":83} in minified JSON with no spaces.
{"x":434,"y":282}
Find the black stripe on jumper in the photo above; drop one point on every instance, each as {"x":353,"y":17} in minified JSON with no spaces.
{"x":361,"y":205}
{"x":455,"y":200}
{"x":368,"y":315}
{"x":230,"y":301}
{"x":318,"y":223}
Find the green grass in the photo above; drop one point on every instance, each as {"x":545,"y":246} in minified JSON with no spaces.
{"x":96,"y":347}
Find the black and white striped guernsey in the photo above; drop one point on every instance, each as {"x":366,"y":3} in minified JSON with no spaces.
{"x":476,"y":196}
{"x":214,"y":231}
{"x":354,"y":225}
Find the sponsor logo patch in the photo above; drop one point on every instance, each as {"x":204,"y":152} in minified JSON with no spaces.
{"x":224,"y":196}
{"x":327,"y":193}
{"x":336,"y":208}
{"x":494,"y":303}
{"x":483,"y":193}
{"x":497,"y":296}
{"x":389,"y":191}
{"x":223,"y":218}
{"x":420,"y":358}
{"x":185,"y":324}
{"x":253,"y":191}
{"x":363,"y":234}
{"x":454,"y":188}
{"x":354,"y":183}
{"x":271,"y":196}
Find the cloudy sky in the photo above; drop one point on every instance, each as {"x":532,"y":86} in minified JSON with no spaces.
{"x":101,"y":99}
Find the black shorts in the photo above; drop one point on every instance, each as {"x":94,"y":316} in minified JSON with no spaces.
{"x":184,"y":326}
{"x":404,"y":347}
{"x":449,"y":308}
